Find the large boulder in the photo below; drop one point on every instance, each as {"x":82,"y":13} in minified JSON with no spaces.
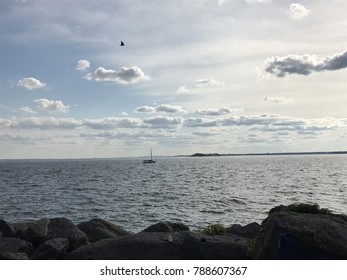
{"x":98,"y":229}
{"x":15,"y":245}
{"x":294,"y":235}
{"x":183,"y":245}
{"x":248,"y":231}
{"x":166,"y":227}
{"x":45,"y":229}
{"x":7,"y":229}
{"x":33,"y":231}
{"x":64,"y":228}
{"x":51,"y":249}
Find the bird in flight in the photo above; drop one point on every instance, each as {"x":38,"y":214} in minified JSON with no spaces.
{"x":122,"y":44}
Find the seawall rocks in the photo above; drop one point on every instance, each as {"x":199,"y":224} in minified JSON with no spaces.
{"x":283,"y":234}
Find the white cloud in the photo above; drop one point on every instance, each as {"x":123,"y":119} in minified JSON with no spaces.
{"x":40,"y":123}
{"x":208,"y":82}
{"x":51,"y":105}
{"x":144,"y":109}
{"x":169,"y":109}
{"x":31,"y":83}
{"x":304,"y":64}
{"x":205,"y":133}
{"x":217,"y":111}
{"x":27,"y":110}
{"x":160,"y":108}
{"x":82,"y":65}
{"x":201,"y":122}
{"x":297,"y":11}
{"x":112,"y":123}
{"x":183,"y":89}
{"x":257,"y":1}
{"x":163,"y":121}
{"x":280,"y":99}
{"x":123,"y":76}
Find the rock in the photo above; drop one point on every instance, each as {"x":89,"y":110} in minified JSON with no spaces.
{"x":64,"y":228}
{"x":183,"y":245}
{"x":98,"y":229}
{"x":15,"y":245}
{"x":166,"y":227}
{"x":249,"y":231}
{"x":7,"y":229}
{"x":325,"y":234}
{"x":51,"y":249}
{"x":34,"y":232}
{"x":45,"y":229}
{"x":13,"y":256}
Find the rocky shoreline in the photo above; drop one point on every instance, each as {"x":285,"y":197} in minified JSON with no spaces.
{"x":287,"y":233}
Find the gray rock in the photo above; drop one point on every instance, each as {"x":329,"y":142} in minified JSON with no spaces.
{"x":7,"y":229}
{"x":35,"y":231}
{"x":166,"y":227}
{"x":51,"y":249}
{"x":248,"y":231}
{"x":183,"y":245}
{"x":64,"y":228}
{"x":13,"y":256}
{"x":98,"y":229}
{"x":15,"y":245}
{"x":325,"y":234}
{"x":45,"y":229}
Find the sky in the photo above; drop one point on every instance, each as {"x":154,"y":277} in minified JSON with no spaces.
{"x":211,"y":76}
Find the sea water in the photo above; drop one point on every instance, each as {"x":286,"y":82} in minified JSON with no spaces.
{"x":194,"y":191}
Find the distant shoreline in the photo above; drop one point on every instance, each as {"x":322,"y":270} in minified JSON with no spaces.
{"x":193,"y":155}
{"x":265,"y":154}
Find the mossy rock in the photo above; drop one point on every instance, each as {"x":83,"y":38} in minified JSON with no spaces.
{"x":301,"y":208}
{"x":215,"y":229}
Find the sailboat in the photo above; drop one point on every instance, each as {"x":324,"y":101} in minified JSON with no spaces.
{"x":149,"y":160}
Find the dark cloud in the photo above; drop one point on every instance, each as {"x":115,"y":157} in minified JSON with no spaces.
{"x":304,"y":64}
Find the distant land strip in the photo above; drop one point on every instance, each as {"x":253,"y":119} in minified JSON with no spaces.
{"x":265,"y":154}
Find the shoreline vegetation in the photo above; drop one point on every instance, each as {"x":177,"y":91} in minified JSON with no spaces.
{"x":296,"y":231}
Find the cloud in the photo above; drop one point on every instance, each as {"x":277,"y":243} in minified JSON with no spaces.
{"x":221,"y":2}
{"x":161,"y":108}
{"x":112,"y":123}
{"x":297,"y":11}
{"x":40,"y":123}
{"x":201,"y":122}
{"x":123,"y":76}
{"x":82,"y":65}
{"x":51,"y":105}
{"x":144,"y":109}
{"x":217,"y":111}
{"x":162,"y":122}
{"x":276,"y":100}
{"x":169,"y":109}
{"x":183,"y":89}
{"x":304,"y":64}
{"x":208,"y":82}
{"x":27,"y":110}
{"x":257,"y":1}
{"x":205,"y":133}
{"x":31,"y":83}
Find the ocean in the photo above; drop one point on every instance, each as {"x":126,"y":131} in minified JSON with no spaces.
{"x":194,"y":191}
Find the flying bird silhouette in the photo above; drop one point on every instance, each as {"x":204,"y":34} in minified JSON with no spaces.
{"x":122,"y":44}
